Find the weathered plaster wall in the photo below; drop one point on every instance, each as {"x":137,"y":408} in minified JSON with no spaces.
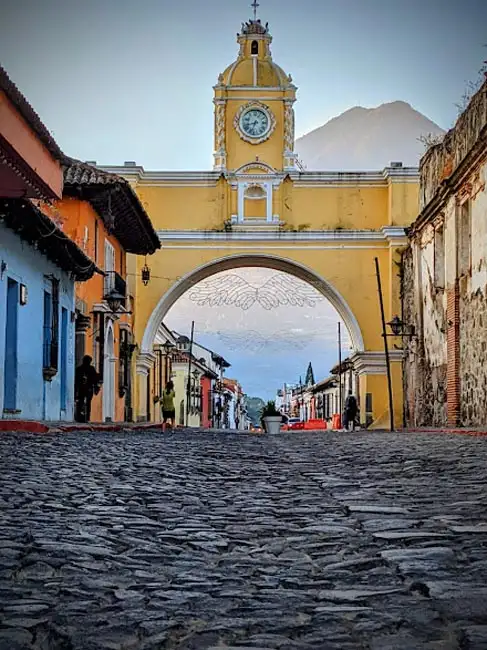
{"x":473,"y":319}
{"x":425,"y":370}
{"x":445,"y":279}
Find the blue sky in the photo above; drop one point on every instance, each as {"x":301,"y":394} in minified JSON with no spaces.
{"x":118,"y":80}
{"x":266,"y":347}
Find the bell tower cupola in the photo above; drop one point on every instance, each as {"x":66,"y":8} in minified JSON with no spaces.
{"x":254,"y":98}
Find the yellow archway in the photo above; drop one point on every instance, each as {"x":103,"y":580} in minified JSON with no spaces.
{"x":260,"y":207}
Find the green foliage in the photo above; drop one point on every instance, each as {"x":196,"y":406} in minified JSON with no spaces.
{"x":269,"y":411}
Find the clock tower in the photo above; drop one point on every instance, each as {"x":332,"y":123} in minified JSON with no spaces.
{"x":254,"y":115}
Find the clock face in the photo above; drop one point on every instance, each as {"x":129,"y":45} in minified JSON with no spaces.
{"x":254,"y":123}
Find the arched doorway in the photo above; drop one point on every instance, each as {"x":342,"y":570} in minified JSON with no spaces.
{"x":109,"y":375}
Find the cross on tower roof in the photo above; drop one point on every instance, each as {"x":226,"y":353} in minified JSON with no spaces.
{"x":255,"y":4}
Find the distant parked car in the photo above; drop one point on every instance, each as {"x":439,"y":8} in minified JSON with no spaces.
{"x":294,"y":424}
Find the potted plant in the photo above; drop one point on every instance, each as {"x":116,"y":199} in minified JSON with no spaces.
{"x":271,"y":418}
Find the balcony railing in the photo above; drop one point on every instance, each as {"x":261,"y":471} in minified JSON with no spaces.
{"x":114,"y":283}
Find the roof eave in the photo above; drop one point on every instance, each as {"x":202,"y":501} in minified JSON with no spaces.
{"x":24,"y":217}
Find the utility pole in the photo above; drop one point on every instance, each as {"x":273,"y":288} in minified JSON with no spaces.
{"x":386,"y":346}
{"x":188,"y":385}
{"x":301,"y":414}
{"x":340,"y":396}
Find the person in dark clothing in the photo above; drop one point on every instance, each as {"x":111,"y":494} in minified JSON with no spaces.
{"x":86,"y":384}
{"x":351,"y":409}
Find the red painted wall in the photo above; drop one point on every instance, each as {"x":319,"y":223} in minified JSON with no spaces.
{"x":205,"y":401}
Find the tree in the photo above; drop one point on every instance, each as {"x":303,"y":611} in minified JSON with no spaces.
{"x":310,"y":378}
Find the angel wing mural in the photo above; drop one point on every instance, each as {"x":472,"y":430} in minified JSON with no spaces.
{"x":228,"y":290}
{"x":248,"y":341}
{"x":232,"y":290}
{"x":282,"y":289}
{"x":254,"y":342}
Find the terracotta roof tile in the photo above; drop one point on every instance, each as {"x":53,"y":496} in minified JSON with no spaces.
{"x":132,"y":225}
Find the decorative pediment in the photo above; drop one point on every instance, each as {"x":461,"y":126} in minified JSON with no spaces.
{"x":256,"y":167}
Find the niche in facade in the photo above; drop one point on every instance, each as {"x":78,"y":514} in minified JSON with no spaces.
{"x":255,"y":202}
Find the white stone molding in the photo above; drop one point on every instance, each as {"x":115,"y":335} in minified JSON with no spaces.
{"x":255,"y":179}
{"x":369,"y":178}
{"x":145,"y":361}
{"x":248,"y":107}
{"x":261,"y":166}
{"x":220,"y":154}
{"x":239,"y":260}
{"x":374,"y":363}
{"x":395,"y":235}
{"x":288,"y":127}
{"x":335,"y":236}
{"x":255,"y":192}
{"x":138,"y":176}
{"x":267,"y":188}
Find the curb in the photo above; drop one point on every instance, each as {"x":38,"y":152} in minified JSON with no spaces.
{"x":461,"y":432}
{"x":33,"y":426}
{"x":23,"y":426}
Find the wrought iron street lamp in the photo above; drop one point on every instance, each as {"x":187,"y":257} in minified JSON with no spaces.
{"x":114,"y":300}
{"x":400,"y":329}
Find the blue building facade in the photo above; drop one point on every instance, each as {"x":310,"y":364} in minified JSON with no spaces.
{"x":37,"y":288}
{"x":39,"y":265}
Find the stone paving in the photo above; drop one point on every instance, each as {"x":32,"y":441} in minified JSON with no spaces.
{"x":203,"y":541}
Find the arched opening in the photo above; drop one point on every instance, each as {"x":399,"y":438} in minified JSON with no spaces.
{"x":252,"y":260}
{"x":254,"y":313}
{"x":254,"y":48}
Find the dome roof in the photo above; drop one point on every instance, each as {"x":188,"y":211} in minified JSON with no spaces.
{"x":241,"y":73}
{"x":254,"y":66}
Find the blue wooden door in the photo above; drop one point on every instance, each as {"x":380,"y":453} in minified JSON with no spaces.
{"x":64,"y":358}
{"x":11,"y":345}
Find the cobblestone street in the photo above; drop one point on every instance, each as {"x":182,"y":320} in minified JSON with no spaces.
{"x":206,"y":540}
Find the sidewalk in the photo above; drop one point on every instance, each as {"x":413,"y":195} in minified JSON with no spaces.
{"x":32,"y":426}
{"x":468,"y":431}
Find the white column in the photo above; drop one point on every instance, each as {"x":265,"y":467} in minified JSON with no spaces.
{"x":241,"y":202}
{"x":144,"y":363}
{"x":269,"y":188}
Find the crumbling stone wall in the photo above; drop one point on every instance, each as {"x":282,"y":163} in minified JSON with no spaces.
{"x":445,"y":371}
{"x":424,"y":380}
{"x":441,"y":160}
{"x":473,"y":358}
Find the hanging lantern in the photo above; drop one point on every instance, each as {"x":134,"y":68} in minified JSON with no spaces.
{"x":145,"y":274}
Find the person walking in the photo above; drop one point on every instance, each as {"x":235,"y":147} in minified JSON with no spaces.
{"x":86,"y":384}
{"x":350,"y":414}
{"x":168,"y":408}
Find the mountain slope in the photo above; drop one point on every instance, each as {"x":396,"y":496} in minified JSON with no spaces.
{"x":367,"y":138}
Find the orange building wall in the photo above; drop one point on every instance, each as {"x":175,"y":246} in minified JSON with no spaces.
{"x":79,"y":223}
{"x":28,"y":146}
